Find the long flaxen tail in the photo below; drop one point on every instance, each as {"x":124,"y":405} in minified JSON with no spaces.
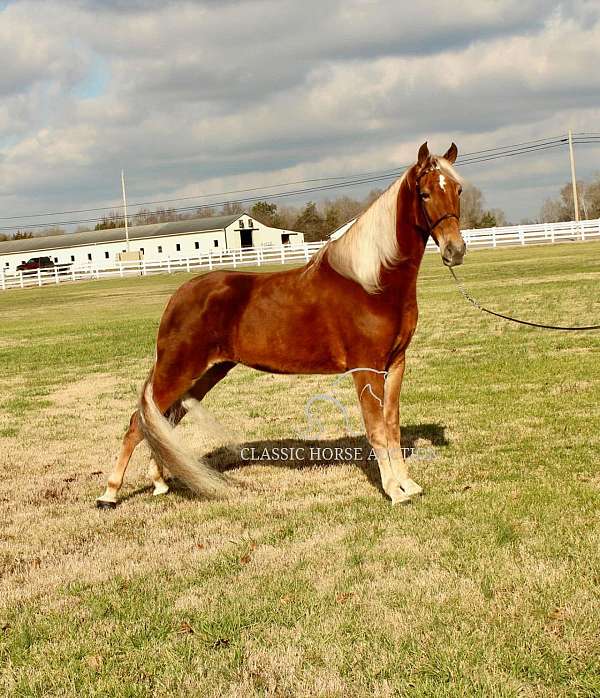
{"x":170,"y":454}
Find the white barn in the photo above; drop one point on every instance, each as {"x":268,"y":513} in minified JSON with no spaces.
{"x":178,"y":239}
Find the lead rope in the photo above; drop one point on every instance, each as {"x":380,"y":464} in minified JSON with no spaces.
{"x":478,"y":305}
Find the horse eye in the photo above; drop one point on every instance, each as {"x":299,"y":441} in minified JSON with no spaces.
{"x":459,"y":191}
{"x":424,"y":194}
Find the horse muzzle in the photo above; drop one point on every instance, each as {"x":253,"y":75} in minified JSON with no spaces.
{"x":453,"y":253}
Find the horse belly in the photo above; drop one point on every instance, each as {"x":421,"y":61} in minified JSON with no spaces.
{"x":288,"y":342}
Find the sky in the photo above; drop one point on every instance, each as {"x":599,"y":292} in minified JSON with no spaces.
{"x":204,"y":97}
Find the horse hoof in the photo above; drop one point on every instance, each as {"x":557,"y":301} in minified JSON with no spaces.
{"x":103,"y":504}
{"x":399,"y":498}
{"x":411,"y":488}
{"x":401,"y":502}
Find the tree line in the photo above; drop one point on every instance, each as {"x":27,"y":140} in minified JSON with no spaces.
{"x":317,"y":220}
{"x":561,"y":208}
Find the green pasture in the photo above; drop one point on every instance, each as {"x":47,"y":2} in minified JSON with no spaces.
{"x":306,"y":581}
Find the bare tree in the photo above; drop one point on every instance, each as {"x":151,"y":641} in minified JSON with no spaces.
{"x":232,"y":208}
{"x":471,"y":207}
{"x":205,"y":212}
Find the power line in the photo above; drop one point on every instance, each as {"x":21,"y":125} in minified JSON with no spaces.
{"x":181,"y":198}
{"x":475,"y":157}
{"x":269,"y":196}
{"x":283,"y":184}
{"x":500,"y":150}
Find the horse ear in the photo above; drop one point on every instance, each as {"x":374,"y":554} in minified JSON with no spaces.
{"x":423,"y":154}
{"x":451,"y":153}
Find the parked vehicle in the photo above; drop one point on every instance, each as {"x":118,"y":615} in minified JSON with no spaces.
{"x":36,"y":263}
{"x":45,"y":263}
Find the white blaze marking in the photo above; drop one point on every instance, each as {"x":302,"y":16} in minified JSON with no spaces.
{"x":443,"y":182}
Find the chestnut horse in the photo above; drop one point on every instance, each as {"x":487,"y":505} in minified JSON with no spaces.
{"x":354,"y":305}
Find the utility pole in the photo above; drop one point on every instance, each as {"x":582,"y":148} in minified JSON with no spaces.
{"x":125,"y":208}
{"x":573,"y":178}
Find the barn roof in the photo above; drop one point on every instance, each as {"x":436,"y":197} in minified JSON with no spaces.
{"x":91,"y":237}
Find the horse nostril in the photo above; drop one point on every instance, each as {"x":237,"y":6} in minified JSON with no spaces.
{"x":458,"y":250}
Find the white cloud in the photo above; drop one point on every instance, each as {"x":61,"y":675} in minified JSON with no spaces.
{"x":210,"y":95}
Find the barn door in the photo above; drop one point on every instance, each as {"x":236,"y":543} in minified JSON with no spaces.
{"x":246,"y":238}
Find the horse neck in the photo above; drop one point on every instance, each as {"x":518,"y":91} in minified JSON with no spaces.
{"x":411,"y":242}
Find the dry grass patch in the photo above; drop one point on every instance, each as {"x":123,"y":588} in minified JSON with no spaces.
{"x":306,"y":582}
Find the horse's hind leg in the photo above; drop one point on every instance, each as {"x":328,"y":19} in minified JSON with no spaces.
{"x":133,"y":437}
{"x":175,"y":414}
{"x":209,"y":379}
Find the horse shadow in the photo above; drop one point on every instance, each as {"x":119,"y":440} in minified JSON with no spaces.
{"x":299,"y":450}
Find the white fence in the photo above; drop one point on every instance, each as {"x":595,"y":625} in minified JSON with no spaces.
{"x":536,"y":234}
{"x":232,"y":259}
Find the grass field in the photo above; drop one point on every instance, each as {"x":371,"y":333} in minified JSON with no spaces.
{"x":308,"y":582}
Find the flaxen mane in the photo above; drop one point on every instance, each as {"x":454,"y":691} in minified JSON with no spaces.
{"x":370,"y":244}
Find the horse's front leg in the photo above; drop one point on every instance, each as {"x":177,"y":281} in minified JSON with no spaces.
{"x":370,"y":389}
{"x":391,"y":414}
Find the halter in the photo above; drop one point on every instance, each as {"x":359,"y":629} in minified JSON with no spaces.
{"x":426,"y":232}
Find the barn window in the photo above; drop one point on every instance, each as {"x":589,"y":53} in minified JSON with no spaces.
{"x":250,"y":222}
{"x":178,"y":247}
{"x":106,"y":255}
{"x":6,"y":264}
{"x":142,"y":250}
{"x":215,"y":243}
{"x":56,"y":260}
{"x":72,"y":257}
{"x":160,"y":249}
{"x":241,"y":222}
{"x":197,"y":245}
{"x":90,"y":256}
